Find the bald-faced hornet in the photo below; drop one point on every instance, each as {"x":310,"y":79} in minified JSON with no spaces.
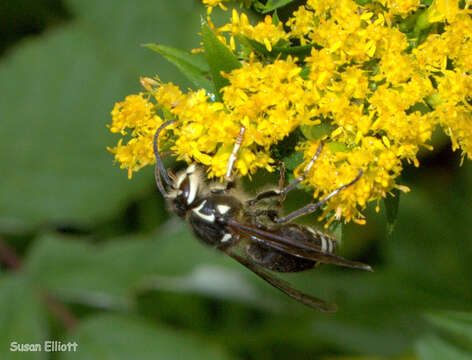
{"x":249,"y":230}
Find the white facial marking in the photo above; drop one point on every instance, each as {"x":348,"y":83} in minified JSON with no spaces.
{"x":180,"y":179}
{"x":197,"y":209}
{"x":193,"y":190}
{"x":209,"y":218}
{"x":226,"y":237}
{"x":223,"y":209}
{"x":190,"y":169}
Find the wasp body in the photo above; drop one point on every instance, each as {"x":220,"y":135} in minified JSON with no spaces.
{"x":252,"y":230}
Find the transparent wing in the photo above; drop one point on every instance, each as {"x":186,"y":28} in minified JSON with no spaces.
{"x":302,"y":249}
{"x":283,"y":286}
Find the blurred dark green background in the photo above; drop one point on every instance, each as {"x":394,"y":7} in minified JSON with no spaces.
{"x":90,"y":257}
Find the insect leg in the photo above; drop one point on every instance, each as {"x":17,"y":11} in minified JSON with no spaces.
{"x":234,"y":156}
{"x":313,"y":207}
{"x":281,"y":185}
{"x":289,"y":187}
{"x":302,"y":177}
{"x":271,"y":214}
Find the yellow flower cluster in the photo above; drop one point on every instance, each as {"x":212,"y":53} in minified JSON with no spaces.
{"x":265,"y":31}
{"x":447,"y":58}
{"x":136,"y":117}
{"x":400,"y":7}
{"x":213,"y":3}
{"x":364,"y":90}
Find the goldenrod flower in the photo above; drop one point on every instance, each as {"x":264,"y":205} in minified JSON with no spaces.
{"x":401,"y":7}
{"x":213,"y":3}
{"x":135,"y":116}
{"x":265,"y":32}
{"x":370,"y":85}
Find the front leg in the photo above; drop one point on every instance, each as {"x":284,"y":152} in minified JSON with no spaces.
{"x":234,"y":153}
{"x":221,"y":189}
{"x":270,"y":213}
{"x":263,"y":195}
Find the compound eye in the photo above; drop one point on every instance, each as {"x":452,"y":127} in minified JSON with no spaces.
{"x":185,"y":187}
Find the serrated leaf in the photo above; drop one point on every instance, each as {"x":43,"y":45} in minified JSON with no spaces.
{"x":193,"y":66}
{"x":219,"y":58}
{"x":121,"y":338}
{"x":57,"y":92}
{"x":21,"y":318}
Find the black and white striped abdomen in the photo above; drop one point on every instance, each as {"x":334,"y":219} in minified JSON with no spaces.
{"x":279,"y":261}
{"x":325,"y":242}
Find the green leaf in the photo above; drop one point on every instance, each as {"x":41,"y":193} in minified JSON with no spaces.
{"x":212,"y":281}
{"x":433,"y":347}
{"x":433,"y":100}
{"x":277,"y":51}
{"x":305,"y":73}
{"x":458,"y":324}
{"x":315,"y":132}
{"x":193,"y":66}
{"x":422,"y":21}
{"x":419,"y":106}
{"x":219,"y":58}
{"x":121,"y":338}
{"x":363,"y":2}
{"x":293,"y":160}
{"x":102,"y":276}
{"x":80,"y":273}
{"x":337,"y":229}
{"x":21,"y":318}
{"x":253,"y":45}
{"x":298,"y":51}
{"x":392,"y":203}
{"x":57,"y":93}
{"x":275,"y":18}
{"x":108,"y":275}
{"x":270,"y":5}
{"x":336,"y":146}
